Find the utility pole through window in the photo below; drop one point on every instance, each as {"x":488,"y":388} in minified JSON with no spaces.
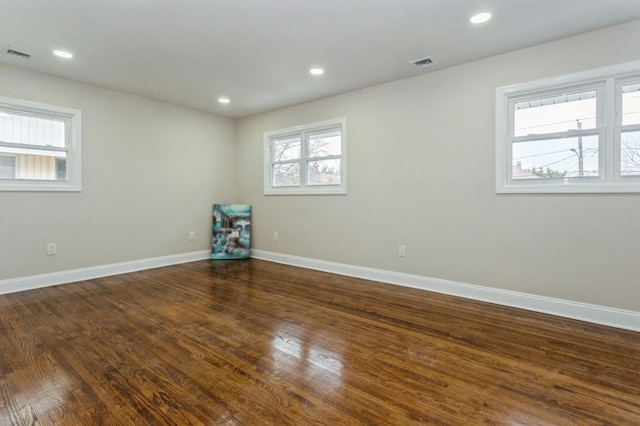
{"x":580,"y":153}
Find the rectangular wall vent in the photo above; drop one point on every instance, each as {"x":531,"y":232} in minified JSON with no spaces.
{"x":423,"y":63}
{"x":18,"y":54}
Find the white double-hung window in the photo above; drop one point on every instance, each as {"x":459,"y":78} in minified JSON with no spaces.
{"x":39,"y":147}
{"x":571,"y":134}
{"x":308,"y":159}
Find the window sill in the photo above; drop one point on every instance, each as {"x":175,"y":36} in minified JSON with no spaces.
{"x":570,"y":188}
{"x":38,"y":186}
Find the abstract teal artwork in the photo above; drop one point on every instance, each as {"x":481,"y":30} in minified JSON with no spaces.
{"x":231,"y":236}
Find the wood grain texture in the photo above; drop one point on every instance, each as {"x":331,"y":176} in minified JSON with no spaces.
{"x":258,"y":343}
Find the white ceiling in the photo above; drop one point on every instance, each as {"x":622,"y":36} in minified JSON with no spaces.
{"x":258,"y":52}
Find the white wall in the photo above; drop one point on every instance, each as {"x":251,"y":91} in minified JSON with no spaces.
{"x":421,"y":173}
{"x":150,"y":173}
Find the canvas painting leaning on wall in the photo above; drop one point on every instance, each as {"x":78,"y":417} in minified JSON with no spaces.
{"x":231,"y":237}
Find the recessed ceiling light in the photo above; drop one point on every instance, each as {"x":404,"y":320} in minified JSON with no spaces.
{"x":224,"y":100}
{"x":316,"y":71}
{"x":480,"y":18}
{"x":63,"y":54}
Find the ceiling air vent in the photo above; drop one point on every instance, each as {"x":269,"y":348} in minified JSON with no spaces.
{"x":18,"y":53}
{"x":423,"y":63}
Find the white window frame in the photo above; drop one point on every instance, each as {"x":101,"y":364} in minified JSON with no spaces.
{"x":72,"y":119}
{"x":303,"y":131}
{"x":608,"y":83}
{"x":619,"y":128}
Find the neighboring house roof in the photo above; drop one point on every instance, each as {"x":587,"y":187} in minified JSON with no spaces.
{"x":519,"y":173}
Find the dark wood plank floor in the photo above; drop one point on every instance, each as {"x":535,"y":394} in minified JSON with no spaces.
{"x":257,"y":343}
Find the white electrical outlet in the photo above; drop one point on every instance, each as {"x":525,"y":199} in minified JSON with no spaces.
{"x":192,"y":236}
{"x":276,"y":237}
{"x":402,"y":250}
{"x":51,"y":249}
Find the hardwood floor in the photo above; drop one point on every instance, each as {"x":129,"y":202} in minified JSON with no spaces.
{"x":258,"y":343}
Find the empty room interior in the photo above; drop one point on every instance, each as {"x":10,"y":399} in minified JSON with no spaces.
{"x":441,"y":205}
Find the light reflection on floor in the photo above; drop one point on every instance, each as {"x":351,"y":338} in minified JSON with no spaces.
{"x":316,"y":364}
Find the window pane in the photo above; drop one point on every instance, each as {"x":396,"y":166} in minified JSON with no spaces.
{"x":7,"y":167}
{"x":324,"y":172}
{"x":33,"y":164}
{"x":631,"y":104}
{"x":286,"y":149}
{"x":31,"y":130}
{"x":325,"y":144}
{"x":630,"y":154}
{"x":61,"y":168}
{"x":569,"y":111}
{"x":287,"y":174}
{"x":556,"y":158}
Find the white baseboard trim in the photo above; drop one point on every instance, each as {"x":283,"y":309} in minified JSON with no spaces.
{"x":619,"y":318}
{"x":63,"y":277}
{"x":613,"y":317}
